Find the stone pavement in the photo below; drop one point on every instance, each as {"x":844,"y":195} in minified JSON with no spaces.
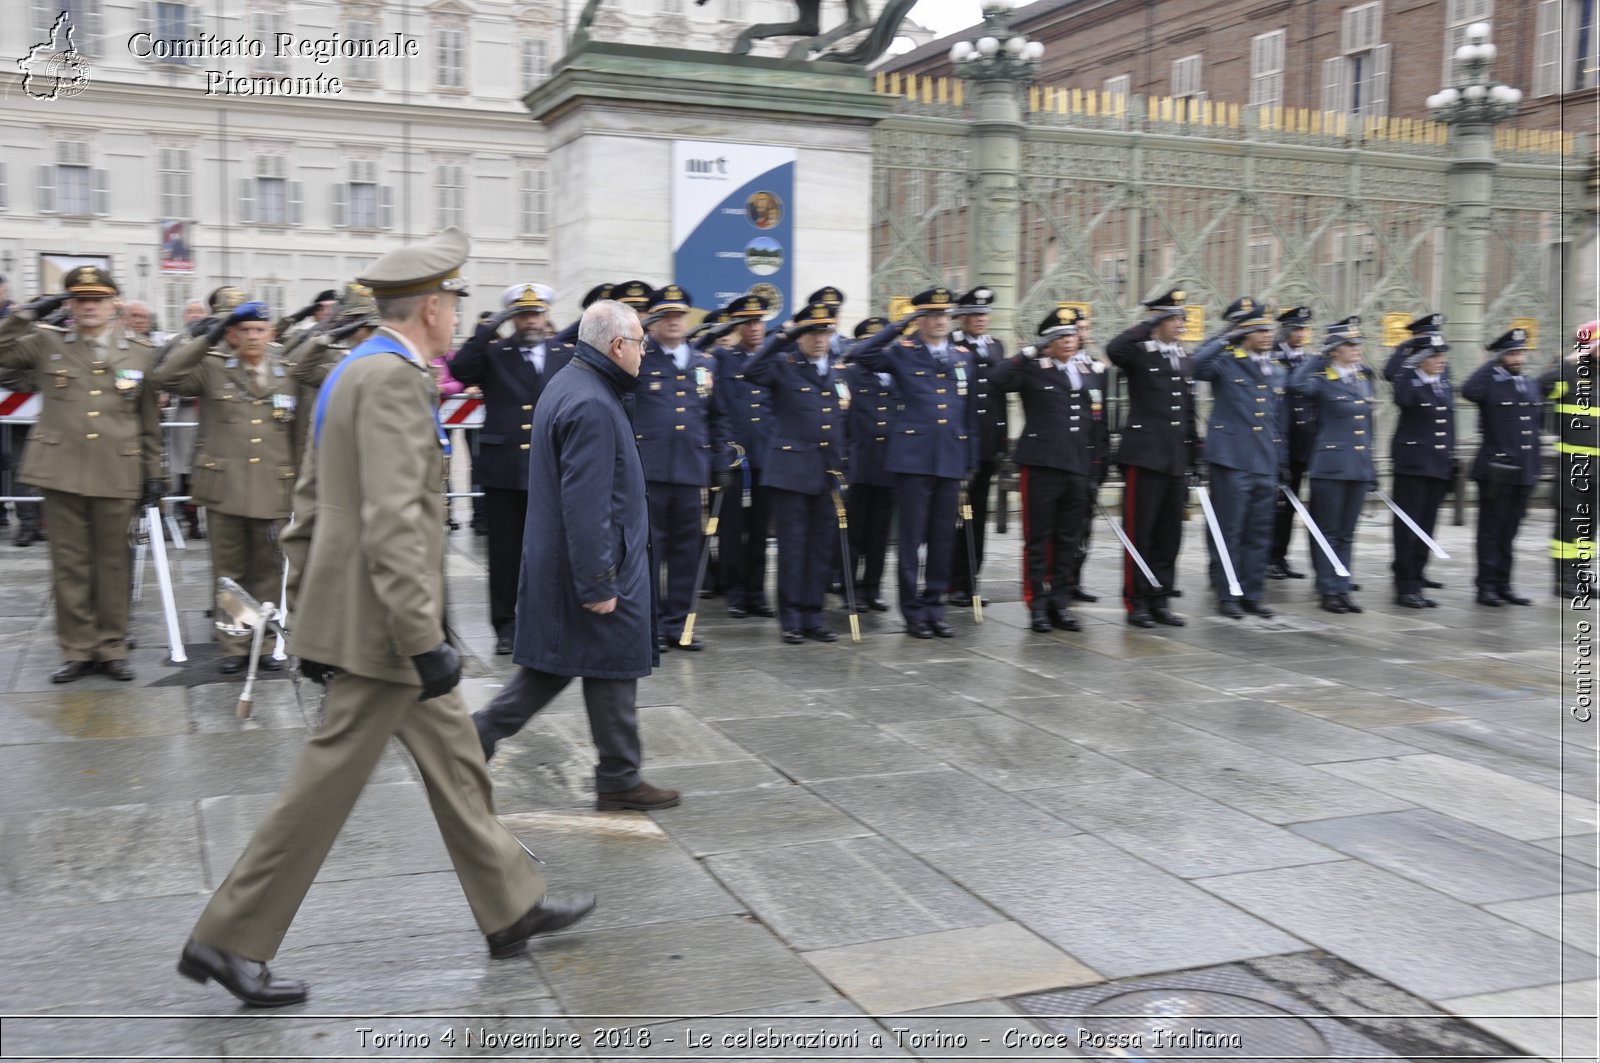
{"x":999,"y":844}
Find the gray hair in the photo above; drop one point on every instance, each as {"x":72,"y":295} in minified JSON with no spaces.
{"x":604,"y":322}
{"x":401,"y":308}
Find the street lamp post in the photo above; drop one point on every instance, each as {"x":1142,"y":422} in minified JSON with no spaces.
{"x":999,"y":64}
{"x":1470,"y":107}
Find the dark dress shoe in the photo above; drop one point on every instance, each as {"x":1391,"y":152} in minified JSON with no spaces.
{"x":231,"y":665}
{"x":917,"y":629}
{"x":546,"y":917}
{"x":1063,"y":621}
{"x":762,"y":611}
{"x":942,"y":629}
{"x":27,"y":536}
{"x":878,"y":605}
{"x":1231,"y":609}
{"x":665,"y":644}
{"x":1174,"y":593}
{"x":502,"y":646}
{"x":792,"y":637}
{"x":1040,"y":623}
{"x":1291,"y":572}
{"x":1432,"y":584}
{"x":642,"y":798}
{"x":1332,"y":603}
{"x":738,"y":612}
{"x":707,"y":593}
{"x":694,"y":645}
{"x":837,"y":587}
{"x":1349,"y":606}
{"x":1258,"y":609}
{"x":71,"y":671}
{"x":1488,"y":598}
{"x":120,"y":670}
{"x":249,"y":980}
{"x":961,"y":599}
{"x":1355,"y":586}
{"x":269,"y":664}
{"x":1081,"y":595}
{"x":1511,"y":597}
{"x":1166,"y":616}
{"x":820,"y":634}
{"x":1277,"y":571}
{"x":1411,"y":601}
{"x":1429,"y":602}
{"x":1141,"y":618}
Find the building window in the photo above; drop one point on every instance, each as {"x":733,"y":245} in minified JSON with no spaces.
{"x":271,"y":292}
{"x":1459,"y":14}
{"x":1566,"y":47}
{"x":1118,"y":86}
{"x":263,"y":24}
{"x":1113,"y":272}
{"x":450,"y":58}
{"x":170,"y":22}
{"x":361,"y":68}
{"x":175,"y":182}
{"x":1186,"y":77}
{"x":533,"y":200}
{"x":83,"y":16}
{"x":362,"y":203}
{"x":1266,"y":68}
{"x":1263,"y":263}
{"x":5,"y":189}
{"x":1357,"y":82}
{"x":450,"y":191}
{"x":535,"y":61}
{"x":174,"y":294}
{"x":270,"y":198}
{"x":72,"y":185}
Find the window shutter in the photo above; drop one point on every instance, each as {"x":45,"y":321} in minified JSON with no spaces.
{"x":1547,"y":49}
{"x":340,"y":218}
{"x":44,"y":16}
{"x":101,"y":184}
{"x":1379,"y":93}
{"x":47,"y":190}
{"x":147,"y":22}
{"x":247,"y":199}
{"x":386,"y":207}
{"x":1335,"y":87}
{"x":296,"y":199}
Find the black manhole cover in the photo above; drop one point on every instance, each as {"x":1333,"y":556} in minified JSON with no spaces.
{"x":1172,"y":1023}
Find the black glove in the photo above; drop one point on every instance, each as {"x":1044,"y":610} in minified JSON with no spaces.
{"x":1197,"y":475}
{"x":1285,"y":478}
{"x":920,"y":311}
{"x":219,"y":325}
{"x":1372,"y":485}
{"x":199,"y":327}
{"x":316,"y":671}
{"x":440,"y":669}
{"x":60,"y":317}
{"x":493,"y":324}
{"x":153,"y":490}
{"x":304,"y":312}
{"x":346,"y":329}
{"x":46,"y":305}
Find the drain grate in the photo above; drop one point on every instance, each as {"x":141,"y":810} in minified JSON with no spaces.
{"x":1304,"y":1006}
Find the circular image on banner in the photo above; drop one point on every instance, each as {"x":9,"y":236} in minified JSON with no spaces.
{"x":774,"y":299}
{"x":764,"y":210}
{"x":763,"y":256}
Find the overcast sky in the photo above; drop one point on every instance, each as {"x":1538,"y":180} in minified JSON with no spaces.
{"x":946,"y":16}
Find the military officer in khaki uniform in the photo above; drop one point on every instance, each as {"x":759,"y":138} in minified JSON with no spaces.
{"x":310,"y":354}
{"x":249,"y":454}
{"x":366,"y":591}
{"x":95,"y":454}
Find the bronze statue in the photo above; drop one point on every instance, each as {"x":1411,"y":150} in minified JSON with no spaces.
{"x":808,"y":26}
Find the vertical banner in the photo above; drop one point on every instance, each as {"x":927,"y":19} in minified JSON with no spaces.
{"x":733,"y":222}
{"x":176,"y":255}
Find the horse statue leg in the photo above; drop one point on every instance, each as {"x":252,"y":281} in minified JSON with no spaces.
{"x":856,"y":18}
{"x":883,"y":33}
{"x":806,"y":25}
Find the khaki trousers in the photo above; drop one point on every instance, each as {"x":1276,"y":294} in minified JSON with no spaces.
{"x":92,"y":569}
{"x":252,"y":909}
{"x":244,"y":550}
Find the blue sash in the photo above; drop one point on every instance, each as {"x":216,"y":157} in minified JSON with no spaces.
{"x":375,"y":345}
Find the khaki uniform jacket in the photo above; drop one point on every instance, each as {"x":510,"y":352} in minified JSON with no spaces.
{"x":249,"y":448}
{"x":366,"y":544}
{"x":99,"y":429}
{"x":310,"y":357}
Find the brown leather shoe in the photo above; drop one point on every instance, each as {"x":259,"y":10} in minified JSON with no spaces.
{"x":642,"y":798}
{"x":119,"y":670}
{"x":546,"y":917}
{"x":71,"y":671}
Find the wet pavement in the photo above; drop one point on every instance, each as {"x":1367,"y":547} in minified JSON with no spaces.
{"x":1003,"y":845}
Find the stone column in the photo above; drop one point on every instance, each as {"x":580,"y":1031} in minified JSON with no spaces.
{"x":994,"y":199}
{"x":1471,"y":183}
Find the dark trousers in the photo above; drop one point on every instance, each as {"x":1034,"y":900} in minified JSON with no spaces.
{"x":613,"y":720}
{"x":1055,"y":517}
{"x":965,"y":579}
{"x":676,"y":536}
{"x":1244,"y":505}
{"x":1335,"y":506}
{"x":1152,"y":516}
{"x":479,"y":502}
{"x":1572,"y":542}
{"x":1500,"y":514}
{"x":92,"y":574}
{"x":742,"y":543}
{"x":925,"y":508}
{"x":871,"y":512}
{"x":13,"y":439}
{"x":1081,"y":554}
{"x":506,"y":514}
{"x":1283,"y":520}
{"x":1420,"y":497}
{"x":808,"y":526}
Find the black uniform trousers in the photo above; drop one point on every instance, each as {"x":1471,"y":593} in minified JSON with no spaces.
{"x":612,"y":705}
{"x":1500,"y":513}
{"x":1283,"y":519}
{"x":871,"y":512}
{"x":1335,"y":506}
{"x":1243,"y":504}
{"x":1572,"y":543}
{"x":965,"y":579}
{"x":925,"y":509}
{"x":1420,"y":497}
{"x":676,"y":536}
{"x":742,"y":541}
{"x":808,"y":528}
{"x":479,"y":500}
{"x":13,"y":440}
{"x":1055,"y":518}
{"x":1152,"y":516}
{"x":505,"y":514}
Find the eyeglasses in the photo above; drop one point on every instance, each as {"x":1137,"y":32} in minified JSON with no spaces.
{"x":633,"y":339}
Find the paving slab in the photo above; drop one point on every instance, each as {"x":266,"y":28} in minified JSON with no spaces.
{"x":757,"y":819}
{"x":1574,"y":847}
{"x":1567,"y":917}
{"x":826,"y":746}
{"x":1537,"y":1019}
{"x":87,"y":856}
{"x":1546,"y":761}
{"x":1298,"y":736}
{"x":899,"y":703}
{"x":926,"y":811}
{"x":1011,"y":755}
{"x":66,"y":715}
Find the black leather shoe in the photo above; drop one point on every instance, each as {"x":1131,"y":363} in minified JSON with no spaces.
{"x":694,"y":645}
{"x":836,"y":588}
{"x":1332,"y":603}
{"x":738,"y":612}
{"x":1174,"y":593}
{"x":942,"y":629}
{"x":1258,"y":609}
{"x":1355,"y":586}
{"x":1277,"y":571}
{"x":1291,"y":572}
{"x":231,"y":665}
{"x":27,"y":536}
{"x":1231,"y":609}
{"x":1429,"y":602}
{"x":1349,"y":605}
{"x":1488,"y":598}
{"x":707,"y":592}
{"x":1163,"y":615}
{"x":792,"y":637}
{"x":820,"y":634}
{"x":665,"y":644}
{"x":546,"y":917}
{"x":249,"y":980}
{"x":502,"y":646}
{"x":1411,"y":601}
{"x":762,"y":610}
{"x":1432,"y":584}
{"x":1063,"y":621}
{"x":1040,"y":623}
{"x":1511,"y":597}
{"x":877,"y":605}
{"x":71,"y":671}
{"x":1141,"y":618}
{"x":268,"y":663}
{"x":961,"y":599}
{"x":120,"y":670}
{"x":918,"y":630}
{"x":1081,"y":595}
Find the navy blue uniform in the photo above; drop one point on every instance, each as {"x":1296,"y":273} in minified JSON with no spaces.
{"x":806,"y":452}
{"x":1570,"y":389}
{"x":745,"y":409}
{"x":1298,"y":416}
{"x":934,"y":446}
{"x":1245,"y":447}
{"x":1341,"y":467}
{"x":1506,"y":466}
{"x":994,"y":429}
{"x":676,"y":424}
{"x":511,"y":384}
{"x":1063,"y":450}
{"x":1423,"y":455}
{"x":870,"y":503}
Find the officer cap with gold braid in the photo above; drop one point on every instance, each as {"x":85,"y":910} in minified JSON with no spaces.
{"x":1342,"y":333}
{"x":671,"y":299}
{"x":938,"y":300}
{"x":1167,"y":304}
{"x":1244,"y":314}
{"x":977,"y":301}
{"x":526,"y":298}
{"x":829,"y":294}
{"x":1296,"y":317}
{"x":88,"y":282}
{"x":224,"y":298}
{"x":814,"y":316}
{"x":355,"y":304}
{"x":1426,"y":324}
{"x":420,"y":269}
{"x":869,"y":326}
{"x":748,"y":308}
{"x":597,"y":293}
{"x":1515,"y":340}
{"x":634,"y":293}
{"x":1062,"y":321}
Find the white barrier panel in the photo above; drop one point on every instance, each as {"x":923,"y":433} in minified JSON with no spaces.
{"x":459,"y":411}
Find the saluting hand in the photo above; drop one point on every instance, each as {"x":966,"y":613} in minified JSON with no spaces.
{"x":45,"y":305}
{"x":601,"y":608}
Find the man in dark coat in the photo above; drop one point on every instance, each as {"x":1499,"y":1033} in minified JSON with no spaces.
{"x":746,"y":414}
{"x":1298,"y":427}
{"x":512,"y":373}
{"x":994,"y":428}
{"x":586,"y":604}
{"x":1507,"y":465}
{"x":1423,"y":453}
{"x":870,"y":503}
